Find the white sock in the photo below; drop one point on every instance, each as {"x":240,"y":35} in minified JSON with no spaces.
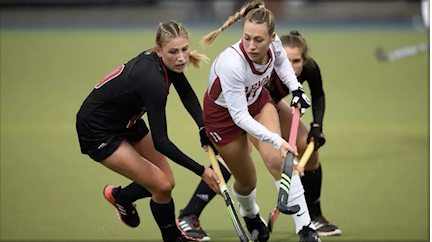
{"x":247,"y":206}
{"x":296,"y":196}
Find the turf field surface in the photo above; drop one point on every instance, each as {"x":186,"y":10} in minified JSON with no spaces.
{"x":375,"y":161}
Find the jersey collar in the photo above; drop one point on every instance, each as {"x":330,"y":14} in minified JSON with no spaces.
{"x":252,"y":66}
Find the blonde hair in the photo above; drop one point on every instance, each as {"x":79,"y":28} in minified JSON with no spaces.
{"x":172,"y":29}
{"x":254,"y":12}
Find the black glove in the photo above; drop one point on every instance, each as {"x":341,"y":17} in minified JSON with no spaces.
{"x":300,"y":97}
{"x":206,"y":141}
{"x":317,"y":135}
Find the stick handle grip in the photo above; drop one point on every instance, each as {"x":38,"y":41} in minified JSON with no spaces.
{"x":294,"y":127}
{"x":215,"y":165}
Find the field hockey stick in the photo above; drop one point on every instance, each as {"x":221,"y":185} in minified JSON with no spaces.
{"x":307,"y":154}
{"x":228,"y":201}
{"x":401,"y":53}
{"x":285,"y":183}
{"x":303,"y":161}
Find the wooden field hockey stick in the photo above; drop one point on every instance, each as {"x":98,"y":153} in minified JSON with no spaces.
{"x":307,"y":154}
{"x":285,"y":183}
{"x":302,"y":163}
{"x":228,"y":201}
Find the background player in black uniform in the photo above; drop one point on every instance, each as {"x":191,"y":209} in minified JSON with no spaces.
{"x":112,"y":132}
{"x":306,"y":69}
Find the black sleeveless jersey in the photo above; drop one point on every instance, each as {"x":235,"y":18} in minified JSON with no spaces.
{"x":140,"y":86}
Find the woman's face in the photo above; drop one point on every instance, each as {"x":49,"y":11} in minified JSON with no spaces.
{"x":256,"y":41}
{"x":294,"y":54}
{"x":175,"y":53}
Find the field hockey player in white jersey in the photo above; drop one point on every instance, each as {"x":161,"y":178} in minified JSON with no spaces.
{"x":237,"y":107}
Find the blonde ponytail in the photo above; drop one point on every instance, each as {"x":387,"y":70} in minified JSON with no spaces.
{"x":196,"y":59}
{"x":209,"y":38}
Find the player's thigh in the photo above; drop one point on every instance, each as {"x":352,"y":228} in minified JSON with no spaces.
{"x":238,"y":159}
{"x":128,"y":162}
{"x":145,"y":147}
{"x":271,"y":156}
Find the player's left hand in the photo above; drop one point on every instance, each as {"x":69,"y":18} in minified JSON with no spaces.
{"x":300,"y":100}
{"x":205,"y":141}
{"x":299,"y":170}
{"x":317,"y":135}
{"x":212,"y":180}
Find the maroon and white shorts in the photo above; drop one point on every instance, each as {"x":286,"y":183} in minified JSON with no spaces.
{"x":219,"y":124}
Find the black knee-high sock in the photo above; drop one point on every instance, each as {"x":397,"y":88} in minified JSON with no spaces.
{"x":202,"y":196}
{"x":131,"y":193}
{"x":312,"y":185}
{"x":164,"y":215}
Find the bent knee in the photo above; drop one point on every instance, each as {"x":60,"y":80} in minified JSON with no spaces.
{"x":172,"y":181}
{"x":163,"y":188}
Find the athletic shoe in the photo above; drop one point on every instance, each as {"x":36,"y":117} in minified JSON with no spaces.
{"x":190,"y":226}
{"x":183,"y":238}
{"x":324,"y":227}
{"x":128,"y":215}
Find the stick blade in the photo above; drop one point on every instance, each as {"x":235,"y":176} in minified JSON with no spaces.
{"x":289,"y":209}
{"x":380,"y":55}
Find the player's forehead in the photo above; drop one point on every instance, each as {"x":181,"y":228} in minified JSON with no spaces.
{"x":293,"y":52}
{"x":293,"y":49}
{"x":177,"y":42}
{"x":253,"y":30}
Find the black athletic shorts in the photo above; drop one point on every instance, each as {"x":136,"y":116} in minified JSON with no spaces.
{"x":100,"y":145}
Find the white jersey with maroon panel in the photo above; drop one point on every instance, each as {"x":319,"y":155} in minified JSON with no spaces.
{"x":236,"y":83}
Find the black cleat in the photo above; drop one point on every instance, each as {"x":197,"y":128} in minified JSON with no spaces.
{"x":324,"y":227}
{"x":128,"y":215}
{"x":183,"y":238}
{"x":308,"y":235}
{"x":190,"y":226}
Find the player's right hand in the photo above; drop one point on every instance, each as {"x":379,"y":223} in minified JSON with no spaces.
{"x":300,"y":100}
{"x":285,"y":147}
{"x":212,"y":180}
